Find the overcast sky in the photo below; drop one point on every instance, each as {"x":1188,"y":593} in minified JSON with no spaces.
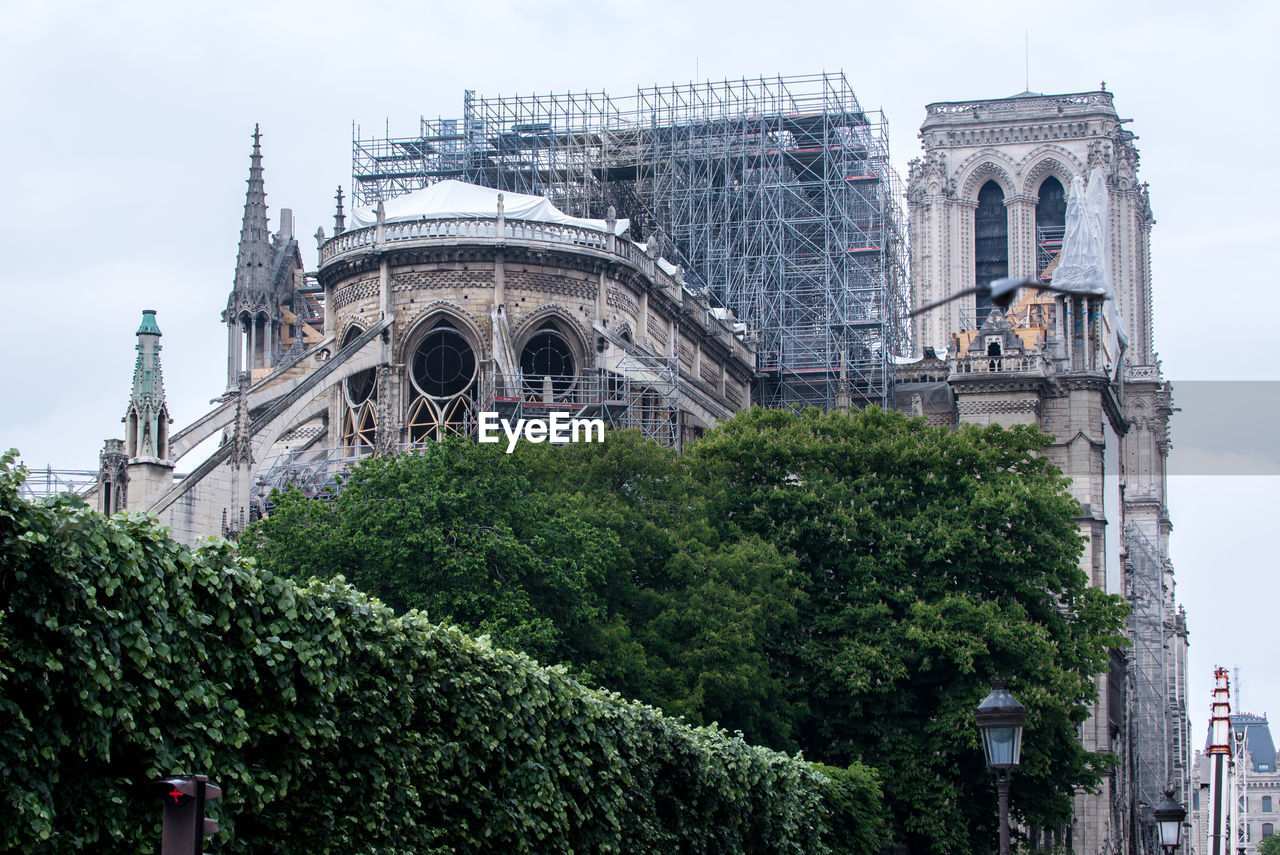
{"x":126,"y":141}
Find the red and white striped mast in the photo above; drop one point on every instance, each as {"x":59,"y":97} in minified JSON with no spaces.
{"x":1221,"y":771}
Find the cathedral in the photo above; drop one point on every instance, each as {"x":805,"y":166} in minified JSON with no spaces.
{"x":484,"y":272}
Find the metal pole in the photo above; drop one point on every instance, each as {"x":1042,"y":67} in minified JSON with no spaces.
{"x":1002,"y":787}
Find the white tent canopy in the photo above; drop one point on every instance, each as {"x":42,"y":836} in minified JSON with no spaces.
{"x":457,"y":199}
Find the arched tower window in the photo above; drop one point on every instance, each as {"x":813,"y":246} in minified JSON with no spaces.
{"x":1051,"y":221}
{"x":442,"y":370}
{"x":131,"y":433}
{"x":990,"y":243}
{"x":162,"y":438}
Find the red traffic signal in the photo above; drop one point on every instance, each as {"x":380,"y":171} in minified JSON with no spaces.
{"x":185,"y":824}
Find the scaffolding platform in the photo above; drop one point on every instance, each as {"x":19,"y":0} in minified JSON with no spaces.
{"x":775,"y":194}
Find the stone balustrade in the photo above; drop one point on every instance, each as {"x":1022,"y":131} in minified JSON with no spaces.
{"x":466,"y":228}
{"x":1028,"y":363}
{"x":1019,"y":103}
{"x":1142,"y":372}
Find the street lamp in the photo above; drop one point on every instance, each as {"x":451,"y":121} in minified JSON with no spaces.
{"x":1169,"y":815}
{"x":1000,"y":718}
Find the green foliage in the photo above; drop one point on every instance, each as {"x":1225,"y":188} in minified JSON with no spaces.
{"x":930,"y":561}
{"x":605,"y":562}
{"x":843,"y":584}
{"x":1269,"y":845}
{"x":334,"y":725}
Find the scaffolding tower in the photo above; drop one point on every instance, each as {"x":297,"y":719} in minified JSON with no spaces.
{"x":776,"y":195}
{"x":1149,"y":724}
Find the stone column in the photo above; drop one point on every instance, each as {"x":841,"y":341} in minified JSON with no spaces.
{"x":642,"y":318}
{"x":253,"y":344}
{"x":233,"y":352}
{"x":1022,"y":235}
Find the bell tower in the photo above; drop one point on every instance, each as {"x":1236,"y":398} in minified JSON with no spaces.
{"x":989,"y":198}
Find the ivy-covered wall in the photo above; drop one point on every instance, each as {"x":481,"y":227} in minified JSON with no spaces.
{"x":334,"y":725}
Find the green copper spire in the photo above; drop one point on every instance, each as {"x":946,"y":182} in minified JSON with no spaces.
{"x":147,"y":418}
{"x":148,"y":326}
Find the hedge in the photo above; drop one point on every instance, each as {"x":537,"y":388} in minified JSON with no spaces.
{"x":334,"y":725}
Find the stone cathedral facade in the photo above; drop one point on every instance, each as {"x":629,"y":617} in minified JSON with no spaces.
{"x":987,"y":199}
{"x":455,"y":300}
{"x":421,"y":315}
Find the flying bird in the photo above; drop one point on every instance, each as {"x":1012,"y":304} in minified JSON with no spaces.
{"x":1003,"y":291}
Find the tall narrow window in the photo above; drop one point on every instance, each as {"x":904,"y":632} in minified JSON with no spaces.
{"x":361,"y":393}
{"x":1051,"y":221}
{"x":1266,"y":804}
{"x":990,"y":243}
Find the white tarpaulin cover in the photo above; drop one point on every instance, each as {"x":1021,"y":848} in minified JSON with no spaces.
{"x":457,"y":199}
{"x":1085,"y":263}
{"x":1082,"y":265}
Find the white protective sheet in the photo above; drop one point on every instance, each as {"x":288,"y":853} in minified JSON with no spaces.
{"x":1082,"y":265}
{"x":457,"y":199}
{"x":1085,"y":263}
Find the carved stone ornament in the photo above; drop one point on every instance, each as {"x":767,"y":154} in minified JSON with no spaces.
{"x":242,"y":440}
{"x":386,"y":430}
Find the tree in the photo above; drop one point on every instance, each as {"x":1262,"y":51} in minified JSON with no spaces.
{"x":602,"y":559}
{"x":457,"y":531}
{"x":929,"y":561}
{"x":847,"y":584}
{"x":1269,"y":845}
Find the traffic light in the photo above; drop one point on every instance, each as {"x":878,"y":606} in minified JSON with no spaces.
{"x":185,"y":825}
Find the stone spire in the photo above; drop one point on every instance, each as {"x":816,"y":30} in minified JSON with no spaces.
{"x":253,"y":260}
{"x":253,"y":313}
{"x":339,"y":219}
{"x":147,"y":418}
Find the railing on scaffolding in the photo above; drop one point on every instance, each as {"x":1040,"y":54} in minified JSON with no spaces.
{"x":46,"y":482}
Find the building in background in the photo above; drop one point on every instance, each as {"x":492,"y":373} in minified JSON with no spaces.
{"x":1254,"y":790}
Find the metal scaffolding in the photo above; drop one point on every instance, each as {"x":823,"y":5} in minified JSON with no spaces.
{"x":47,"y":482}
{"x":643,"y":393}
{"x":775,"y":194}
{"x":1149,"y":714}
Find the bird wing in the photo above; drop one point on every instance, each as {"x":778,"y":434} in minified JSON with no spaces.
{"x":976,"y":289}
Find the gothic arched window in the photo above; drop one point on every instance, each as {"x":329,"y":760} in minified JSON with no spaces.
{"x":1051,"y":220}
{"x":990,"y":243}
{"x":442,"y":371}
{"x":547,"y":363}
{"x":360,"y":394}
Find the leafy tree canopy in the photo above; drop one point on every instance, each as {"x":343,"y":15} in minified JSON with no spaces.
{"x":844,"y":584}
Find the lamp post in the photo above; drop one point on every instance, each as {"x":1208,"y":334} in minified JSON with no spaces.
{"x":1169,"y":815}
{"x":1000,"y":718}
